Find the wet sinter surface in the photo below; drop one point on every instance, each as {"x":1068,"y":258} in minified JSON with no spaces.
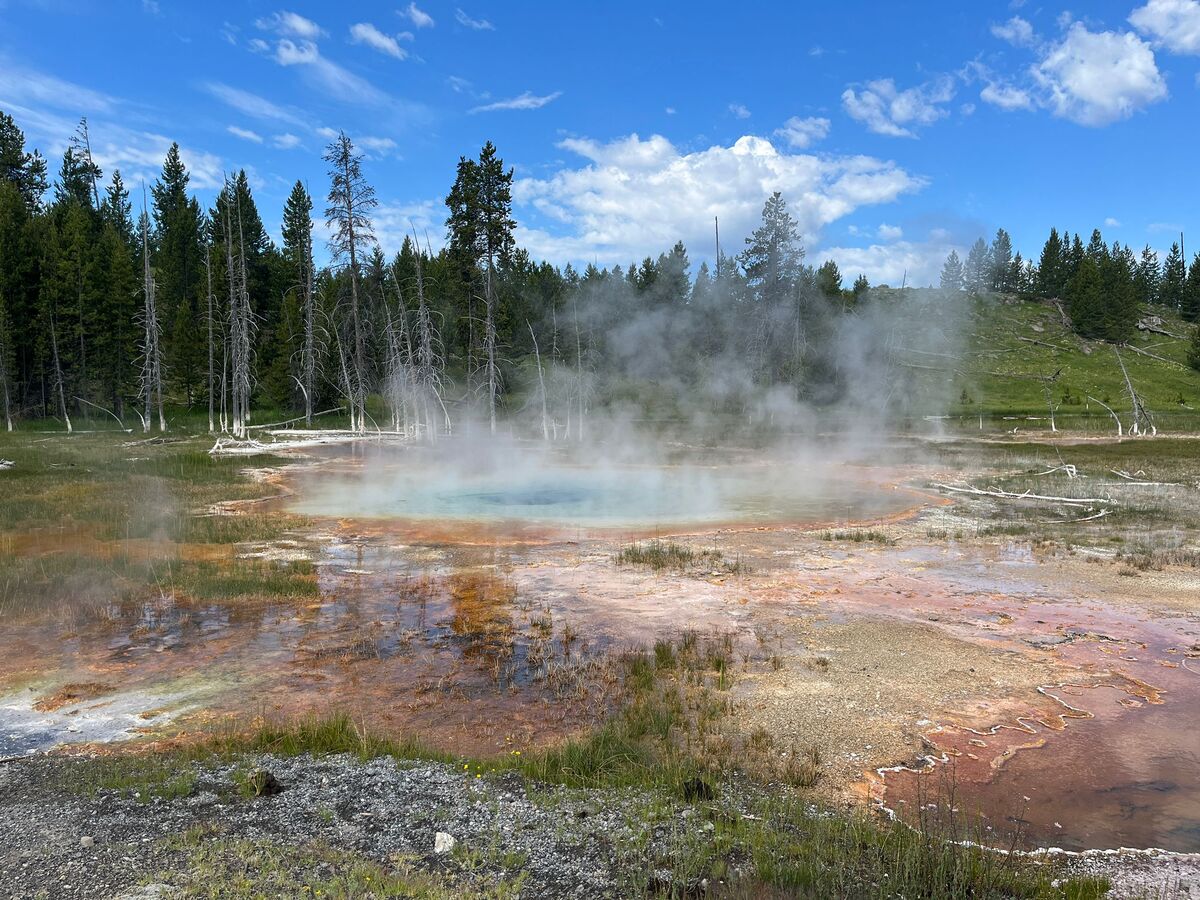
{"x":497,"y":642}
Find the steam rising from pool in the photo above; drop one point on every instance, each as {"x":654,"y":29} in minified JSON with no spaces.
{"x":535,"y":486}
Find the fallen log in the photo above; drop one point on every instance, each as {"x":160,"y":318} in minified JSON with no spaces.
{"x":1028,"y":495}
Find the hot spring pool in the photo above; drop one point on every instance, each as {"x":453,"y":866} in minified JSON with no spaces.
{"x":539,"y":489}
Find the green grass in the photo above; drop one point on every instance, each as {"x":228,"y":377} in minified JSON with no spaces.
{"x":144,"y":777}
{"x":662,"y":555}
{"x":859,"y":536}
{"x":998,"y":367}
{"x":214,"y":865}
{"x":93,"y":520}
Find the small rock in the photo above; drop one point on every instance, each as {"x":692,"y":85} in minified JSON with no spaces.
{"x":87,"y":841}
{"x":264,"y":784}
{"x":443,"y":843}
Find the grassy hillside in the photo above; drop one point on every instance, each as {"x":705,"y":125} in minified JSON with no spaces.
{"x":1012,"y":344}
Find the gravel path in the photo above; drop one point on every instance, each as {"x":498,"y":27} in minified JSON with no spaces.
{"x":63,"y":842}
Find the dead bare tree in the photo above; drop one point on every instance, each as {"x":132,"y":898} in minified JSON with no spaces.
{"x":350,"y":201}
{"x":240,"y":319}
{"x":211,"y":347}
{"x":4,"y":389}
{"x":151,"y":378}
{"x":308,"y":352}
{"x":541,"y":382}
{"x":430,"y":360}
{"x":1142,"y":423}
{"x":58,"y":373}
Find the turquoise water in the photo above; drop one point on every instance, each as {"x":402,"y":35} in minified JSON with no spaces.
{"x":537,"y":489}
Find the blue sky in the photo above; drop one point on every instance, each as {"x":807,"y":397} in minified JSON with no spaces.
{"x":894,"y":135}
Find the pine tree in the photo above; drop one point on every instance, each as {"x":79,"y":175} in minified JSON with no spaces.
{"x":25,"y":171}
{"x":1000,"y":258}
{"x":1173,"y":284}
{"x":829,"y":279}
{"x":1147,"y":276}
{"x":952,"y":273}
{"x":773,"y":254}
{"x":861,"y":286}
{"x":298,"y":258}
{"x":1193,"y":350}
{"x":977,"y":273}
{"x":481,"y":235}
{"x":351,"y":200}
{"x":1119,"y":303}
{"x":1051,"y":272}
{"x":115,"y":346}
{"x":1191,"y":291}
{"x":179,"y":273}
{"x":116,"y":210}
{"x":1085,"y":300}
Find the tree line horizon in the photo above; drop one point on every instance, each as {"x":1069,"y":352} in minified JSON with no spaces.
{"x":105,"y":316}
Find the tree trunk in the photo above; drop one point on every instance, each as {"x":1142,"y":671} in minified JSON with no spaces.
{"x":58,"y":374}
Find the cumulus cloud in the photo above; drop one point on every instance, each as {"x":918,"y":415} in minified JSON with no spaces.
{"x":885,"y":109}
{"x":1016,"y":31}
{"x":916,"y":263}
{"x":800,"y":133}
{"x":245,"y":134}
{"x":632,"y":194}
{"x":1173,"y":24}
{"x":290,"y":24}
{"x":527,"y":100}
{"x":739,"y":110}
{"x":476,"y":24}
{"x":418,"y":17}
{"x":1096,"y":78}
{"x":1110,"y":222}
{"x":367,"y":34}
{"x":1006,"y":96}
{"x":378,"y":146}
{"x":890,"y":232}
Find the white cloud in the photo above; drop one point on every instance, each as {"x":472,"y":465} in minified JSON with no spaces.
{"x":670,"y":110}
{"x":21,"y":85}
{"x":245,"y":134}
{"x":1096,"y":78}
{"x":326,"y":74}
{"x":916,"y":263}
{"x":285,"y":141}
{"x":252,"y":104}
{"x":527,"y":100}
{"x":151,"y":7}
{"x":290,"y":24}
{"x":1110,"y":222}
{"x":1006,"y":96}
{"x":1016,"y":31}
{"x":890,"y":232}
{"x":739,"y":111}
{"x":418,"y":17}
{"x":326,"y":132}
{"x":379,"y":146}
{"x":800,"y":133}
{"x":476,"y":24}
{"x":886,"y":110}
{"x":423,"y":221}
{"x":368,"y":34}
{"x":634,"y":194}
{"x":1174,"y":24}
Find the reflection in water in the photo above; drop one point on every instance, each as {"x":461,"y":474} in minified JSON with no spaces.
{"x":1110,"y":761}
